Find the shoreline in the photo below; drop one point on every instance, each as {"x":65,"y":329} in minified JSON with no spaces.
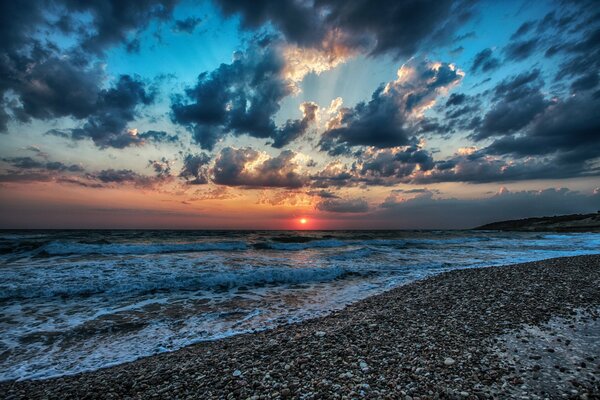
{"x":436,"y":336}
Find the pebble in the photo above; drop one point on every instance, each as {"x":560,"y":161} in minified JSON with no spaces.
{"x":364,"y":366}
{"x":385,"y":346}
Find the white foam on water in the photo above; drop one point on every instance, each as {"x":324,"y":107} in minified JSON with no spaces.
{"x":82,"y":306}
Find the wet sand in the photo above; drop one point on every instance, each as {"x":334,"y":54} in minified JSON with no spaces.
{"x":528,"y":330}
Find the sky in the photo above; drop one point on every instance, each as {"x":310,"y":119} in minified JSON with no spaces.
{"x":305,"y":114}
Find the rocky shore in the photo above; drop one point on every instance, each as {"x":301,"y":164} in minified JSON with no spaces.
{"x":523,"y":331}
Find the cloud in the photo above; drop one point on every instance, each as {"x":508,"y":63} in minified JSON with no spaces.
{"x":456,"y":99}
{"x":521,"y":49}
{"x":479,"y":167}
{"x":335,"y":173}
{"x":324,"y":194}
{"x":52,"y":88}
{"x":113,"y":21}
{"x":30,"y":163}
{"x":161,"y":167}
{"x":390,"y":166}
{"x":335,"y":49}
{"x":158,"y":137}
{"x":106,"y":126}
{"x":518,"y":100}
{"x":249,"y":168}
{"x":293,"y":129}
{"x":391,"y":117}
{"x":484,"y":61}
{"x":569,"y":129}
{"x":195,"y":168}
{"x":586,"y":82}
{"x":241,"y":98}
{"x":343,"y":205}
{"x":48,"y":78}
{"x":524,"y":28}
{"x":398,"y":27}
{"x":187,"y":25}
{"x":121,"y":177}
{"x":29,"y":170}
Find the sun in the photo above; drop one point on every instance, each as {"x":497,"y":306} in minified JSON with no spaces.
{"x":303,"y":221}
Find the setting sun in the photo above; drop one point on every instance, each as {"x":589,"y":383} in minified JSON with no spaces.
{"x":303,"y":221}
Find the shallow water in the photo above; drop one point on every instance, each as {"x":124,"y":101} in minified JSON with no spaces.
{"x":80,"y":300}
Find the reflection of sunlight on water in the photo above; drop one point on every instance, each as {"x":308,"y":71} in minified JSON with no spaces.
{"x":74,"y":312}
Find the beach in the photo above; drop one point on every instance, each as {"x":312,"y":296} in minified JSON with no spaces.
{"x":528,"y":329}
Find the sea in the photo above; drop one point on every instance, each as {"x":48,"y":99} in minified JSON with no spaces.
{"x":73,"y":301}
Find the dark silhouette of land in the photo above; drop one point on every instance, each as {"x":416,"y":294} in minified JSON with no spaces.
{"x":557,"y":223}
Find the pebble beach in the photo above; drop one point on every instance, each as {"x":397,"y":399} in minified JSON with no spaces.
{"x":528,"y":330}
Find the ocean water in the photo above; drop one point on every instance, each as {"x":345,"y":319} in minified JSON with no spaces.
{"x":74,"y":301}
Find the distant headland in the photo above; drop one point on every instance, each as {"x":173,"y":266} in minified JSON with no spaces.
{"x":557,"y":223}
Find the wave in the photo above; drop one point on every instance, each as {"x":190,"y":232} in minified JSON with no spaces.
{"x":301,"y":246}
{"x":360,"y":253}
{"x":296,"y":243}
{"x":210,"y":281}
{"x":63,"y":249}
{"x":292,"y":239}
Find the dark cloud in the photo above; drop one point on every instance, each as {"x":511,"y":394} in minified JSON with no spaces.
{"x":456,"y":99}
{"x":30,"y":163}
{"x":293,"y":129}
{"x":481,"y":168}
{"x":343,"y":205}
{"x":521,"y":49}
{"x":158,"y":137}
{"x":187,"y":25}
{"x":437,"y":213}
{"x":569,"y":129}
{"x":299,"y":23}
{"x":195,"y":168}
{"x":582,"y":57}
{"x":241,"y":98}
{"x":161,"y":167}
{"x":335,"y":174}
{"x":115,"y":108}
{"x":398,"y":27}
{"x":586,"y":82}
{"x":55,"y":87}
{"x":126,"y":177}
{"x":31,"y":170}
{"x":484,"y":61}
{"x":523,"y":29}
{"x":518,"y":100}
{"x":389,"y":166}
{"x":249,"y":168}
{"x":385,"y":120}
{"x":324,"y":194}
{"x":50,"y":81}
{"x":112,"y":21}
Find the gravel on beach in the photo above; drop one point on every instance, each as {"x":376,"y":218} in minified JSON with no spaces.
{"x":523,"y":331}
